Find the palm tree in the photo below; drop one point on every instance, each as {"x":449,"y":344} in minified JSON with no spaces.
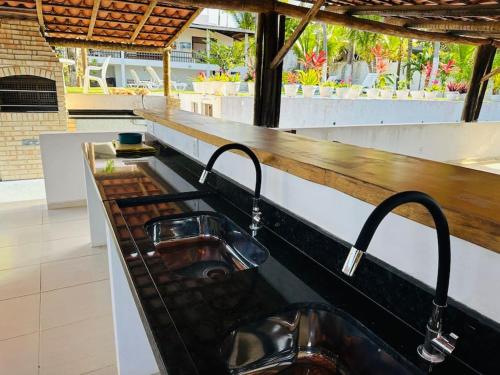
{"x":244,"y":20}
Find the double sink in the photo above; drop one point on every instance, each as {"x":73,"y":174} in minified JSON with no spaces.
{"x":302,"y":339}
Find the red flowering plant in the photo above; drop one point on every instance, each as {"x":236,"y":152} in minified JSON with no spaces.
{"x":381,"y":67}
{"x":445,"y":70}
{"x":314,"y":60}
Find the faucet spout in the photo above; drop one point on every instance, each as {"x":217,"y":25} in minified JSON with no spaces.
{"x":256,"y":214}
{"x":435,"y":343}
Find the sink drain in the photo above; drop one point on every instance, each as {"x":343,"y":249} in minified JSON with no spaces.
{"x":216,"y":273}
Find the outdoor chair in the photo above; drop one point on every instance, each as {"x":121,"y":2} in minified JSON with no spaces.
{"x":154,"y":77}
{"x":138,"y":82}
{"x":369,"y":80}
{"x":101,"y":80}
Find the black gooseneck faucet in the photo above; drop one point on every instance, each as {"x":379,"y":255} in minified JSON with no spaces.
{"x":256,"y":214}
{"x":436,"y":345}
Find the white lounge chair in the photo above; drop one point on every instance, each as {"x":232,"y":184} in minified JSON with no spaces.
{"x":154,"y":76}
{"x":101,"y":80}
{"x":369,"y":80}
{"x":138,"y":82}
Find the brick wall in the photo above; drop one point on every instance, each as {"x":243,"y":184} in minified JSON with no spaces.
{"x":24,"y":51}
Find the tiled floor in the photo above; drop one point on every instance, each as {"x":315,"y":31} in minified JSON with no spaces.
{"x":55,"y":304}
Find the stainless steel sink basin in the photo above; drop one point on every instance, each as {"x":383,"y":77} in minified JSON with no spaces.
{"x":312,"y":340}
{"x":204,"y":245}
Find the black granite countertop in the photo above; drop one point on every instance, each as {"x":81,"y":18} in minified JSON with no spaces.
{"x":189,"y":318}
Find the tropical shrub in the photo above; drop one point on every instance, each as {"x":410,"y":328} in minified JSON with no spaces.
{"x":290,"y":78}
{"x":308,"y":77}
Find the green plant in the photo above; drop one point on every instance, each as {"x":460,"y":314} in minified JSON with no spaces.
{"x":308,"y":77}
{"x":384,"y":80}
{"x":342,"y":85}
{"x":331,"y":84}
{"x":402,"y":85}
{"x":234,"y":77}
{"x":110,"y":166}
{"x":434,"y":87}
{"x":290,"y":78}
{"x":219,"y":77}
{"x":356,"y":87}
{"x":226,"y":57}
{"x":496,"y":84}
{"x":200,"y":77}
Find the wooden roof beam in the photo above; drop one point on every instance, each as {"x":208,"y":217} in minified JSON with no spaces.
{"x":446,"y":25}
{"x":186,"y":25}
{"x":93,"y":18}
{"x":39,"y":13}
{"x":296,"y":33}
{"x":334,"y":18}
{"x":144,"y":19}
{"x":109,"y":46}
{"x":418,"y":10}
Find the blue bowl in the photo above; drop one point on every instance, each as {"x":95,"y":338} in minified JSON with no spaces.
{"x":130,"y":138}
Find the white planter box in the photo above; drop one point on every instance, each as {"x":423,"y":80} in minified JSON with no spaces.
{"x":354,"y":93}
{"x":309,"y":90}
{"x":386,"y":94}
{"x":325,"y":92}
{"x":452,"y":95}
{"x":402,"y":94}
{"x":291,"y":89}
{"x":417,"y":94}
{"x":210,"y":87}
{"x":430,"y":94}
{"x":251,"y":88}
{"x":198,"y":87}
{"x":372,"y":93}
{"x":342,"y":92}
{"x":230,"y":88}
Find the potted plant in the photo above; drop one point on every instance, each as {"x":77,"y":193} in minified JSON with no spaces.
{"x":372,"y":93}
{"x":452,"y":92}
{"x":199,"y":83}
{"x":432,"y":91}
{"x":250,"y":80}
{"x":232,"y":86}
{"x":402,"y":92}
{"x":220,"y":79}
{"x":355,"y":91}
{"x":326,"y":89}
{"x":290,"y":82}
{"x":342,"y":89}
{"x":309,"y":79}
{"x":384,"y":83}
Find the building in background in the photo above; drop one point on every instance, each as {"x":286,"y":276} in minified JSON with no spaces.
{"x":187,"y":54}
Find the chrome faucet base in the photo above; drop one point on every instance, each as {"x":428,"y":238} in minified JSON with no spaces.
{"x":434,"y":357}
{"x":203,"y":176}
{"x":352,"y":261}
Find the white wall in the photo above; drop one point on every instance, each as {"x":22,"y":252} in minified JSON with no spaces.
{"x":405,"y":244}
{"x":117,"y":102}
{"x":440,"y":142}
{"x":306,"y":113}
{"x":62,"y":161}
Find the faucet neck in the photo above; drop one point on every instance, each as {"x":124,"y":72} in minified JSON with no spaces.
{"x":251,"y":155}
{"x":441,"y":224}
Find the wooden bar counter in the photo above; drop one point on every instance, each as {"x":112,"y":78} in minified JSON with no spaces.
{"x":470,"y":198}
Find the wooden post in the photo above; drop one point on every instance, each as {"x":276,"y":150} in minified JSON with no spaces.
{"x":477,"y":89}
{"x":166,"y":71}
{"x":269,"y":39}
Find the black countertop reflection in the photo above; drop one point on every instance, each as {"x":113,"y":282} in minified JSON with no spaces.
{"x":189,"y":318}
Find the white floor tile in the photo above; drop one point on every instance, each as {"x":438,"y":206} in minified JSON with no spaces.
{"x":19,"y":282}
{"x":19,"y":316}
{"x":19,"y":355}
{"x":64,"y":214}
{"x":20,"y":255}
{"x":109,"y":370}
{"x":65,"y":229}
{"x":69,"y":305}
{"x":20,"y":236}
{"x":74,"y":271}
{"x":67,"y":248}
{"x":21,"y":217}
{"x":77,"y":348}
